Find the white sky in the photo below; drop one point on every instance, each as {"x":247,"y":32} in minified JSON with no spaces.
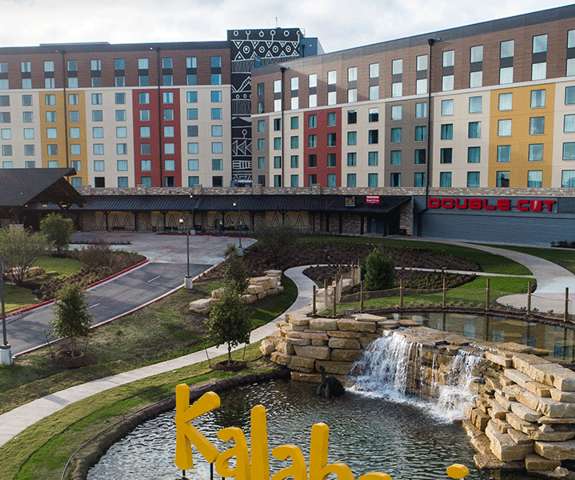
{"x":338,"y":23}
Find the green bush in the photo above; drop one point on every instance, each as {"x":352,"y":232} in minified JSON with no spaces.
{"x":379,"y":271}
{"x":58,"y":230}
{"x":72,"y":319}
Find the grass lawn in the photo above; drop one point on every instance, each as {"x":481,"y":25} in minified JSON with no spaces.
{"x":62,"y":267}
{"x":565,"y":258}
{"x":159,"y":332}
{"x":487,"y":261}
{"x":472,"y":293}
{"x":18,"y":297}
{"x":42,"y":450}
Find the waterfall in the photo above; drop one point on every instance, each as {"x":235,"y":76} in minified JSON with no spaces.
{"x":394,"y":368}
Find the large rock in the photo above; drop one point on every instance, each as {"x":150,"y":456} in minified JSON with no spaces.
{"x":556,"y":450}
{"x":368,"y":317}
{"x":306,"y":377}
{"x":553,"y":374}
{"x":323,"y":324}
{"x":500,"y":360}
{"x":340,"y":334}
{"x":554,"y":409}
{"x":218,"y":293}
{"x":268,"y":346}
{"x":338,"y":368}
{"x":559,"y":396}
{"x":255,"y":289}
{"x":536,"y":463}
{"x":201,"y":306}
{"x":504,"y":448}
{"x":301,"y":364}
{"x":520,"y":424}
{"x":524,"y":361}
{"x":525,"y":413}
{"x":342,"y":355}
{"x":347,"y":324}
{"x":280,"y":358}
{"x":528,"y":399}
{"x":348,"y":343}
{"x":318,"y":353}
{"x":249,"y":299}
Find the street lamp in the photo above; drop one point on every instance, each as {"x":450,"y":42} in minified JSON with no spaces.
{"x":240,"y":247}
{"x":5,"y":348}
{"x":188,"y":277}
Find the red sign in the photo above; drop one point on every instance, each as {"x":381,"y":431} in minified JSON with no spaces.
{"x":535,"y":205}
{"x":372,"y":199}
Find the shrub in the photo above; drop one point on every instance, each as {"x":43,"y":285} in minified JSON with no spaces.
{"x":276,"y":241}
{"x":229,"y":322}
{"x":379,"y":271}
{"x":72,"y":319}
{"x":97,"y":256}
{"x":58,"y":230}
{"x":236,"y":275}
{"x":19,"y":249}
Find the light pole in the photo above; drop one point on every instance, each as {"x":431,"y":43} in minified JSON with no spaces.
{"x":240,"y":247}
{"x":188,"y":277}
{"x":5,"y":348}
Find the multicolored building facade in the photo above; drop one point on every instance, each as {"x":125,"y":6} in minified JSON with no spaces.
{"x":485,"y":105}
{"x":150,"y":115}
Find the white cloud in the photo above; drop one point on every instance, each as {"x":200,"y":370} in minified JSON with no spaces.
{"x":338,"y":23}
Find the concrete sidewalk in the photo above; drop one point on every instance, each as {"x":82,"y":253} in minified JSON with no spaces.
{"x":15,"y":421}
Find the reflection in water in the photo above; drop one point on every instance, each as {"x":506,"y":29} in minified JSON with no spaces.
{"x":558,"y":340}
{"x":366,"y":433}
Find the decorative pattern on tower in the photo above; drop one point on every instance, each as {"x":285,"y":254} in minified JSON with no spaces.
{"x":249,"y":48}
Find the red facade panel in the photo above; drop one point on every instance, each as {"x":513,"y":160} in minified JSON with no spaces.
{"x":327,"y":150}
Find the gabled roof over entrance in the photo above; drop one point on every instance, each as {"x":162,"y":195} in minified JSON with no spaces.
{"x":20,"y":187}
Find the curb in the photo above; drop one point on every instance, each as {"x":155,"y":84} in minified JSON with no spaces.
{"x":129,"y":312}
{"x":43,"y":303}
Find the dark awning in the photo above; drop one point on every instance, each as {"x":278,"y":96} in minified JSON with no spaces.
{"x":253,"y":203}
{"x":20,"y":187}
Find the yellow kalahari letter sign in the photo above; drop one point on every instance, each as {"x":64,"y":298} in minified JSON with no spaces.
{"x":254,"y":464}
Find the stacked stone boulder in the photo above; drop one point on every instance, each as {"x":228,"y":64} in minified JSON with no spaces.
{"x":258,"y":288}
{"x":524,"y":413}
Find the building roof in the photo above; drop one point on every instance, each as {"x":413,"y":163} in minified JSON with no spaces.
{"x":516,"y":21}
{"x":332,"y":203}
{"x":22,"y":186}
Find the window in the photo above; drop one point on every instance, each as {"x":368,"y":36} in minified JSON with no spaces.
{"x":73,"y":99}
{"x":218,"y":131}
{"x":447,"y":107}
{"x":51,"y":133}
{"x":169,"y":131}
{"x":4,"y":101}
{"x":396,"y":89}
{"x":50,"y":100}
{"x":277,"y":143}
{"x":52,"y":149}
{"x":216,"y":61}
{"x":419,"y":179}
{"x":294,"y":161}
{"x":217,"y":164}
{"x":536,"y":125}
{"x":569,"y":151}
{"x":192,"y":96}
{"x":351,"y":159}
{"x":32,"y":164}
{"x":421,"y":62}
{"x":503,"y":153}
{"x":421,"y":110}
{"x":312,"y":121}
{"x":535,"y":178}
{"x":475,"y":104}
{"x":5,"y":133}
{"x":99,"y":165}
{"x":506,"y":49}
{"x":26,"y":100}
{"x":97,"y":115}
{"x":294,"y":123}
{"x":51,"y":117}
{"x":312,"y":102}
{"x":120,"y":115}
{"x":396,"y":112}
{"x":476,"y":54}
{"x":145,"y":132}
{"x":216,"y":96}
{"x":261,"y":143}
{"x":331,"y":119}
{"x":96,"y":99}
{"x":449,"y":58}
{"x":331,"y":180}
{"x":568,"y":178}
{"x":145,"y":115}
{"x":216,"y":113}
{"x":217,"y":147}
{"x":421,"y":86}
{"x":372,"y":180}
{"x":29,"y":150}
{"x":192,"y":131}
{"x":331,"y":98}
{"x":352,"y":138}
{"x":373,"y":115}
{"x":569,"y":95}
{"x":447,"y":83}
{"x":97,"y":132}
{"x":374,"y":70}
{"x":121,"y":149}
{"x":122,"y":165}
{"x":331,"y":77}
{"x":53,"y":164}
{"x":473,"y":179}
{"x":505,"y":101}
{"x":445,"y":179}
{"x":146,"y":165}
{"x":474,"y":130}
{"x":352,"y":74}
{"x":372,"y":159}
{"x":146,"y":181}
{"x":373,"y":137}
{"x":351,"y":117}
{"x":123,"y":182}
{"x":312,"y":80}
{"x":98,"y":149}
{"x":167,"y":98}
{"x":569,"y":124}
{"x":395,"y":180}
{"x":395,"y":136}
{"x":193,"y":164}
{"x":504,"y":128}
{"x":374,"y":92}
{"x":420,"y":133}
{"x":331,"y":139}
{"x":312,"y":160}
{"x":331,"y":160}
{"x":445,"y":155}
{"x":294,"y":180}
{"x":26,"y":83}
{"x":395,"y":157}
{"x":570,"y":71}
{"x":539,"y":71}
{"x":535,"y":152}
{"x":447,"y":131}
{"x":27,"y":117}
{"x":7,"y":150}
{"x":540,"y":43}
{"x":351,"y":180}
{"x":473,"y":154}
{"x":352,"y":95}
{"x":143,"y":98}
{"x":277,"y":161}
{"x":419,"y":156}
{"x":475,"y":79}
{"x":397,"y":66}
{"x":505,"y":75}
{"x":537,"y":98}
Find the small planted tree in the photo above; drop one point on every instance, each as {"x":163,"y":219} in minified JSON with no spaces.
{"x":58,"y":230}
{"x":19,"y":249}
{"x":72,"y":319}
{"x":229,"y":322}
{"x":277,"y":242}
{"x":236,"y":275}
{"x":379,"y":271}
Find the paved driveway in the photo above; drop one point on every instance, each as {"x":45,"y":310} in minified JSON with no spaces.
{"x":164,"y":273}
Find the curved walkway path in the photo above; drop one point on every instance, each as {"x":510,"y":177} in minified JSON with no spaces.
{"x":552,"y":279}
{"x":17,"y":420}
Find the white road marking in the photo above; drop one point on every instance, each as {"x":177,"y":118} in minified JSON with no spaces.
{"x":155,"y":278}
{"x":93,"y":306}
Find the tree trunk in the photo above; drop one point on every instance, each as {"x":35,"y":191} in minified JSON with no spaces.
{"x":229,"y":354}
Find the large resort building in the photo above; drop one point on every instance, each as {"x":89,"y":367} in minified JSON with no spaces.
{"x":463,"y":133}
